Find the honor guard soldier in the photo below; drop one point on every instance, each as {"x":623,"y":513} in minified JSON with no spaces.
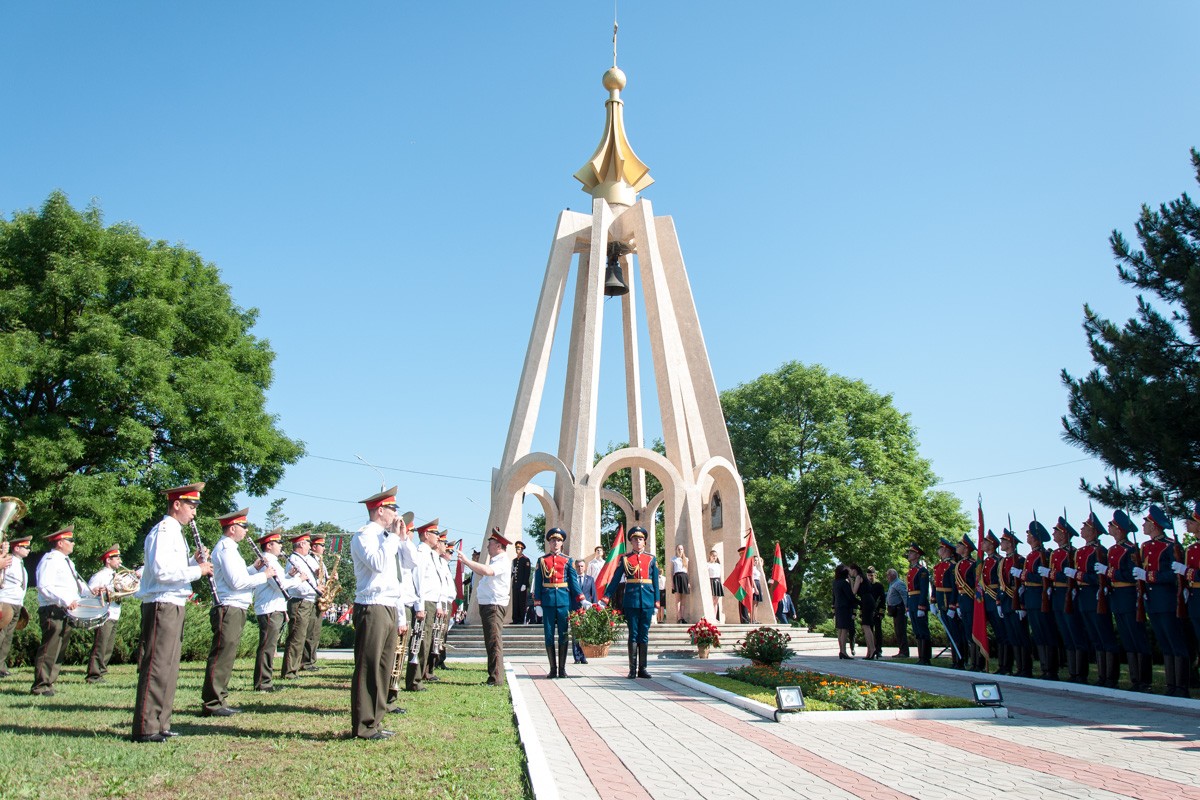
{"x":235,"y":590}
{"x":1035,"y":599}
{"x":1060,"y":577}
{"x":423,"y":560}
{"x":373,"y":550}
{"x":59,"y":590}
{"x":1158,"y":558}
{"x":556,"y":591}
{"x":302,"y":603}
{"x":1190,"y":571}
{"x":1091,"y":568}
{"x":1016,"y":626}
{"x":164,"y":590}
{"x":12,"y":594}
{"x":270,"y":607}
{"x":1126,"y":600}
{"x":522,"y":572}
{"x":640,"y":573}
{"x":312,"y":642}
{"x":918,"y":603}
{"x":101,"y":584}
{"x":964,"y":581}
{"x":946,"y":595}
{"x":989,"y":579}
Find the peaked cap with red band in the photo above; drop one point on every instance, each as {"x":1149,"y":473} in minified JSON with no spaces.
{"x":64,"y":533}
{"x":190,"y":492}
{"x":234,"y":518}
{"x":384,"y":498}
{"x":110,"y":552}
{"x":499,"y":537}
{"x":301,"y":537}
{"x":316,"y":540}
{"x":428,"y":526}
{"x":274,"y":536}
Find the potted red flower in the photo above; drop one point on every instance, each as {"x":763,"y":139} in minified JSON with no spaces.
{"x":704,"y":635}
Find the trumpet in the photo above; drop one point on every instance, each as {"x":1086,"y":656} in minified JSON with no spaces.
{"x":11,"y":510}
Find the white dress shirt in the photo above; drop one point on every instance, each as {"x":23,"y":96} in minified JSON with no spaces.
{"x":449,"y":593}
{"x":494,"y":590}
{"x":169,"y":571}
{"x":104,"y":578}
{"x":16,"y":583}
{"x":426,"y":573}
{"x":594,"y":566}
{"x":376,"y":578}
{"x":306,"y":585}
{"x":57,"y":583}
{"x":267,"y":597}
{"x":409,"y":592}
{"x":235,"y":582}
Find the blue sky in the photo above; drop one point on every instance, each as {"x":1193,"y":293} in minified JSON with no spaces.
{"x":916,"y":195}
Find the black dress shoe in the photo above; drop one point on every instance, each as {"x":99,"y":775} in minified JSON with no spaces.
{"x":97,"y":680}
{"x":433,"y":678}
{"x":44,"y":693}
{"x":378,"y":735}
{"x":169,"y":733}
{"x":220,"y":712}
{"x":153,"y":737}
{"x":311,"y":668}
{"x":418,"y":689}
{"x":267,"y":690}
{"x":394,"y":709}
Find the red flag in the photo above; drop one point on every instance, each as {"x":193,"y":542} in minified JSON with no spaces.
{"x":610,"y":564}
{"x":979,"y":619}
{"x":345,"y":615}
{"x":459,"y":600}
{"x":740,"y":582}
{"x":779,"y":577}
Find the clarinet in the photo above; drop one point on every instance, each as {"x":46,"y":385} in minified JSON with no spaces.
{"x":258,"y":553}
{"x":212,"y":582}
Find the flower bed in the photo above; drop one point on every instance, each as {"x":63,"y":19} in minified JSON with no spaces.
{"x":596,"y":625}
{"x":765,"y":645}
{"x":845,"y":693}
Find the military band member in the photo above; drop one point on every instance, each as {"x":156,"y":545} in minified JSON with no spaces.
{"x":302,"y":600}
{"x":1158,"y":557}
{"x":1036,"y":603}
{"x":422,"y":558}
{"x":1190,"y":571}
{"x":521,"y":575}
{"x":946,"y":597}
{"x":312,"y":642}
{"x":991,"y":581}
{"x":12,"y":593}
{"x":557,"y":592}
{"x":408,"y":606}
{"x":59,"y":590}
{"x":165,"y":587}
{"x":640,"y":573}
{"x":918,"y":603}
{"x":964,"y":581}
{"x":377,"y":587}
{"x":1060,"y":581}
{"x":235,"y":588}
{"x":270,"y":608}
{"x":493,"y":594}
{"x":1016,"y":625}
{"x":1091,"y":567}
{"x":101,"y":584}
{"x":1126,"y":600}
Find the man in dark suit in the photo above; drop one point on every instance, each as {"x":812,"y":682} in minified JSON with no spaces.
{"x":521,"y":569}
{"x":587,"y":585}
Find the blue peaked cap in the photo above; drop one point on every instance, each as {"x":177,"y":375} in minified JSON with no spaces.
{"x":1160,"y":518}
{"x":1066,"y":526}
{"x":1039,"y":531}
{"x":992,"y":538}
{"x":1124,"y":522}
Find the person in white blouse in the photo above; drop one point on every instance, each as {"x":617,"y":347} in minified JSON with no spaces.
{"x":714,"y":580}
{"x":59,"y":589}
{"x":597,"y":563}
{"x":235,"y":587}
{"x":12,"y":593}
{"x":165,"y":587}
{"x":680,"y":586}
{"x":102,"y":645}
{"x":270,"y":607}
{"x":493,"y":594}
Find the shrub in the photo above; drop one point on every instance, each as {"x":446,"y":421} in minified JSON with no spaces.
{"x":596,"y":625}
{"x":765,"y":645}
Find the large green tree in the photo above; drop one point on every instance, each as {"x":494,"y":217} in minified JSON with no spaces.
{"x":1138,"y":410}
{"x":832,"y":473}
{"x":125,"y":368}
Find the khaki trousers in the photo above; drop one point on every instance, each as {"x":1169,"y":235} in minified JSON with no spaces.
{"x":492,"y":619}
{"x":300,"y":614}
{"x":6,"y":636}
{"x":48,"y":660}
{"x":227,"y":624}
{"x":158,"y":670}
{"x":269,"y":628}
{"x":102,"y":647}
{"x":374,"y":654}
{"x":312,"y":640}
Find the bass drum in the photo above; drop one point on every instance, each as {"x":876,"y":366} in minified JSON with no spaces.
{"x":91,"y":613}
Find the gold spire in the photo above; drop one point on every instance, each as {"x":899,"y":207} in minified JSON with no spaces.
{"x":614,"y":172}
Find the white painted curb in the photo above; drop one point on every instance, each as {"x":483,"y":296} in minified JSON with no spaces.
{"x":540,"y":777}
{"x":768,"y":712}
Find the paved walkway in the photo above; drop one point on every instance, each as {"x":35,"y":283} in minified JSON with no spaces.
{"x":603,"y":736}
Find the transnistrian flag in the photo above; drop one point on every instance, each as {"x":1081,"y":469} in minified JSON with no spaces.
{"x":610,"y":564}
{"x":779,"y":577}
{"x":459,"y":600}
{"x":740,"y":582}
{"x":979,"y":619}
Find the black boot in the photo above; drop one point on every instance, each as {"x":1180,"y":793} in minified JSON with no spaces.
{"x":1169,"y":675}
{"x":562,"y":659}
{"x":1182,"y":677}
{"x":1133,"y":664}
{"x":1101,"y":668}
{"x":553,"y":661}
{"x":1082,"y":659}
{"x":632,"y":660}
{"x":1113,"y":669}
{"x":1146,"y":670}
{"x":924,"y":652}
{"x":1073,"y":666}
{"x":642,"y":648}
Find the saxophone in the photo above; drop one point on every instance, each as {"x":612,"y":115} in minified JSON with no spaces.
{"x":329,"y":588}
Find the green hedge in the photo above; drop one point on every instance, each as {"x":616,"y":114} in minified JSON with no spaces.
{"x":197,"y":636}
{"x":889,"y":634}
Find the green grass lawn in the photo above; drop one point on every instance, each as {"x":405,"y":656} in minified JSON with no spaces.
{"x":759,"y":693}
{"x":458,"y":740}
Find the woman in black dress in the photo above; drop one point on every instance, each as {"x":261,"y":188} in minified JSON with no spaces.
{"x":866,"y":602}
{"x":844,"y":602}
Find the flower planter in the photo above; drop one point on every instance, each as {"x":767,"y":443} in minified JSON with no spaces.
{"x":702,"y":649}
{"x":594,"y":650}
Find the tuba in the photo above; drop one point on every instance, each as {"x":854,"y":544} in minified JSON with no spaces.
{"x":11,"y":510}
{"x":125,"y":582}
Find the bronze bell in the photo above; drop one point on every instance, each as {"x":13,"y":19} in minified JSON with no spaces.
{"x":614,"y":281}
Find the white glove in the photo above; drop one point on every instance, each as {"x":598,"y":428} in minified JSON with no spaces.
{"x":950,"y":612}
{"x":587,"y":604}
{"x":1021,"y":614}
{"x":1100,"y":568}
{"x":521,"y":589}
{"x":1044,"y":572}
{"x":1180,"y":569}
{"x":600,"y":606}
{"x":1071,"y":572}
{"x":1015,"y":572}
{"x":999,"y":612}
{"x":920,"y":613}
{"x":1139,"y":573}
